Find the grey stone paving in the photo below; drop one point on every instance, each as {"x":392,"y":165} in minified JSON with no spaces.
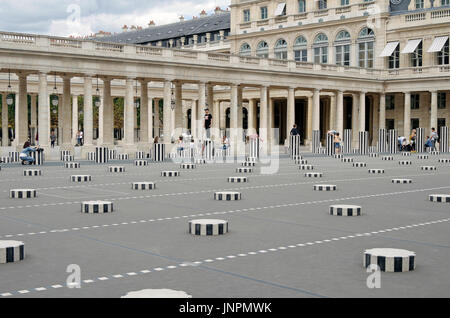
{"x":282,"y":241}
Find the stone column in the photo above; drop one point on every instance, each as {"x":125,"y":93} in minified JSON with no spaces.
{"x":44,"y":112}
{"x":150,"y":113}
{"x":179,"y":107}
{"x":332,"y":115}
{"x":382,"y":121}
{"x":157,"y":120}
{"x":66,"y":118}
{"x":22,"y":112}
{"x":129,"y":113}
{"x":270,"y":119}
{"x":108,"y":113}
{"x":340,"y":113}
{"x":74,"y":119}
{"x":252,"y":116}
{"x":263,"y":133}
{"x":33,"y":111}
{"x":407,"y":115}
{"x":146,"y":113}
{"x":316,"y":110}
{"x":355,"y":120}
{"x":362,"y":111}
{"x":200,"y":108}
{"x":88,"y":114}
{"x":309,"y":120}
{"x":216,"y":119}
{"x":290,"y":111}
{"x":167,"y":112}
{"x":5,"y":136}
{"x":434,"y":110}
{"x":194,"y":119}
{"x":16,"y":119}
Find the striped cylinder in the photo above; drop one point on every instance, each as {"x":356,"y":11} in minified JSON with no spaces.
{"x":376,"y":171}
{"x":338,"y":156}
{"x":80,"y":178}
{"x":188,"y":166}
{"x":249,"y":164}
{"x":209,"y":150}
{"x":112,"y":154}
{"x":442,"y":198}
{"x":140,"y":163}
{"x":237,"y":179}
{"x":91,"y":156}
{"x":159,"y":152}
{"x":68,"y":158}
{"x":11,"y":251}
{"x":208,"y":227}
{"x":116,"y":169}
{"x":301,"y":162}
{"x":200,"y":161}
{"x":254,"y":148}
{"x":443,"y":140}
{"x":420,"y":140}
{"x":316,"y":141}
{"x":348,"y":139}
{"x":345,"y":210}
{"x":374,"y":155}
{"x":244,"y":170}
{"x":5,"y":160}
{"x":227,"y":196}
{"x":406,"y":154}
{"x":170,"y":174}
{"x":363,"y":142}
{"x":372,"y":149}
{"x":393,"y":141}
{"x":405,"y":163}
{"x":97,"y":207}
{"x":325,"y":187}
{"x":32,"y":173}
{"x":38,"y":157}
{"x":423,"y":157}
{"x":428,"y":168}
{"x":64,"y":153}
{"x":314,"y":175}
{"x":251,"y":159}
{"x":401,"y":181}
{"x":14,"y":155}
{"x":382,"y":141}
{"x":355,"y":151}
{"x":294,"y":146}
{"x":123,"y":156}
{"x":359,"y":165}
{"x":72,"y":165}
{"x":390,"y":260}
{"x":347,"y":160}
{"x":143,"y":186}
{"x":101,"y":155}
{"x":22,"y":193}
{"x":434,"y":152}
{"x":299,"y":157}
{"x":331,"y":150}
{"x":140,"y":155}
{"x":444,"y":160}
{"x":387,"y":158}
{"x":306,"y":167}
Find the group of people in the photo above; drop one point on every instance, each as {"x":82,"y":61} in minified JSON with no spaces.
{"x":410,"y":144}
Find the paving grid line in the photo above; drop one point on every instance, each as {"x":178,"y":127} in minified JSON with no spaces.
{"x":79,"y":228}
{"x":224,"y":258}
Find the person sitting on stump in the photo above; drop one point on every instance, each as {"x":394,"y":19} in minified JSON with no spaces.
{"x":25,"y":155}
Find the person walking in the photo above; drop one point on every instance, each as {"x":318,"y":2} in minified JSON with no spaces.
{"x":52,"y":139}
{"x":434,"y":137}
{"x":208,"y":123}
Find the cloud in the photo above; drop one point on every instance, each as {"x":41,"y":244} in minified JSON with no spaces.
{"x":83,"y":17}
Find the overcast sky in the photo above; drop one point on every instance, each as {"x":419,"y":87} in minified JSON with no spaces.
{"x":83,"y":17}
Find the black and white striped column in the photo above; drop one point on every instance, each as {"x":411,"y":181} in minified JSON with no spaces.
{"x":140,"y":155}
{"x":382,"y":141}
{"x":237,"y":179}
{"x":254,"y":148}
{"x":390,"y":260}
{"x":32,"y":173}
{"x":14,"y":155}
{"x":170,"y":174}
{"x":22,"y":193}
{"x":331,"y":150}
{"x":140,"y":163}
{"x":294,"y":146}
{"x":112,"y":155}
{"x":316,"y":141}
{"x":347,"y":140}
{"x":11,"y":251}
{"x":227,"y":196}
{"x":159,"y":152}
{"x":80,"y":178}
{"x":117,"y":169}
{"x":101,"y":155}
{"x":443,"y":140}
{"x":393,"y":141}
{"x":209,"y":150}
{"x":441,"y":198}
{"x":420,"y":140}
{"x":91,"y":156}
{"x":123,"y":156}
{"x":143,"y":186}
{"x":345,"y":210}
{"x":64,"y":153}
{"x":97,"y":207}
{"x":363,"y":142}
{"x":38,"y":157}
{"x":208,"y":227}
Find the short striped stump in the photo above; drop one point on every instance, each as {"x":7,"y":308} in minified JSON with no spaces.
{"x":428,"y":168}
{"x":338,"y":156}
{"x":237,"y":179}
{"x":373,"y":155}
{"x":435,"y":153}
{"x":314,"y":175}
{"x":301,"y":162}
{"x":11,"y":251}
{"x":251,"y":159}
{"x":170,"y":174}
{"x":347,"y":160}
{"x":306,"y":167}
{"x":390,"y":260}
{"x":97,"y":207}
{"x":441,"y":198}
{"x":359,"y":165}
{"x":22,"y":193}
{"x":140,"y":155}
{"x":405,"y":163}
{"x":387,"y":158}
{"x":68,"y":158}
{"x":345,"y":210}
{"x":72,"y":165}
{"x":376,"y":171}
{"x":140,"y":163}
{"x":444,"y":160}
{"x":227,"y":196}
{"x":143,"y":186}
{"x":325,"y":187}
{"x":208,"y":227}
{"x":117,"y":169}
{"x":123,"y":156}
{"x":188,"y":166}
{"x":5,"y":160}
{"x":200,"y":161}
{"x":244,"y":170}
{"x":406,"y":154}
{"x":401,"y":181}
{"x":80,"y":179}
{"x":249,"y":164}
{"x":32,"y":173}
{"x":297,"y":157}
{"x":423,"y":157}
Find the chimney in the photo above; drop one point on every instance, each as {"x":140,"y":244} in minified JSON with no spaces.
{"x":182,"y":19}
{"x":203,"y":14}
{"x":151,"y":24}
{"x":125,"y":28}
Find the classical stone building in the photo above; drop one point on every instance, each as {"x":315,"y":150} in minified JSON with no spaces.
{"x":336,"y":64}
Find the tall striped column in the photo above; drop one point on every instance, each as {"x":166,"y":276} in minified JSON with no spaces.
{"x":209,"y":150}
{"x":159,"y":151}
{"x":393,"y":141}
{"x":348,"y":136}
{"x":420,"y":140}
{"x":294,"y":146}
{"x":254,"y":148}
{"x":363,"y":142}
{"x":382,"y":141}
{"x":315,"y":141}
{"x":331,"y":150}
{"x":443,"y":140}
{"x":101,"y":155}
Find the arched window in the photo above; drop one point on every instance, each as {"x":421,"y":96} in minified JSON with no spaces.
{"x":301,"y":6}
{"x":342,"y":47}
{"x":262,"y":49}
{"x":281,"y":49}
{"x":366,"y":40}
{"x":245,"y":50}
{"x":301,"y":49}
{"x":321,"y":49}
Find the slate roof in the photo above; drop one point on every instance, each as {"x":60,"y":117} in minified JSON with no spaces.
{"x":211,"y":23}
